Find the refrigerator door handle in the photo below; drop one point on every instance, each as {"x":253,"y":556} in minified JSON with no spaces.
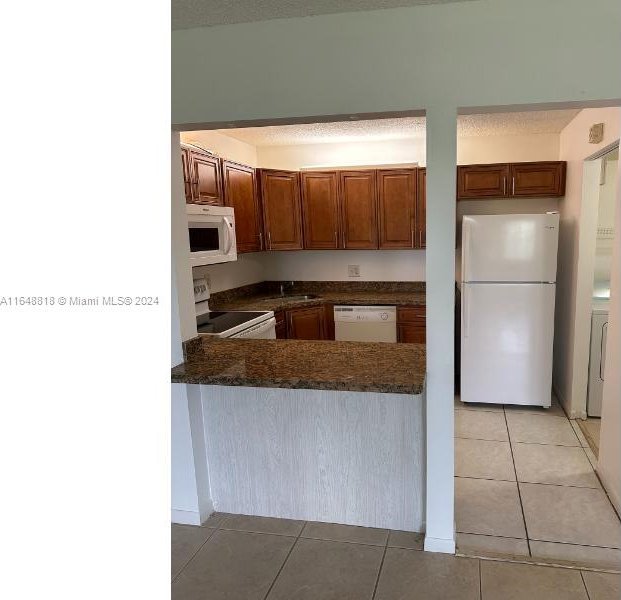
{"x":465,"y":317}
{"x":465,"y":250}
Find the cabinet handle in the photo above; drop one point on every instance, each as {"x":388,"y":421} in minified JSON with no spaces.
{"x":504,"y":186}
{"x":260,"y":240}
{"x":336,"y":240}
{"x":269,"y":239}
{"x":513,"y":186}
{"x":412,"y":238}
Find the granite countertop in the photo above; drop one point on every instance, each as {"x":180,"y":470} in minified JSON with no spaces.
{"x":266,"y":296}
{"x":301,"y":364}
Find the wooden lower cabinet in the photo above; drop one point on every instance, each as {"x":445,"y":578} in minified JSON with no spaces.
{"x":306,"y":323}
{"x":281,"y":325}
{"x":411,"y":327}
{"x":329,"y":312}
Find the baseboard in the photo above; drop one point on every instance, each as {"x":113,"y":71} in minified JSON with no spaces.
{"x":185,"y":517}
{"x":439,"y":545}
{"x":616,"y":501}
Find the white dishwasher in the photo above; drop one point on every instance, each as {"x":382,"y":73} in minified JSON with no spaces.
{"x":365,"y":323}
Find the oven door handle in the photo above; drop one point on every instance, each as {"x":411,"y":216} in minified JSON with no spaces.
{"x":229,"y":237}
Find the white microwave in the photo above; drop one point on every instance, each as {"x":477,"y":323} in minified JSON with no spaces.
{"x":212,"y":234}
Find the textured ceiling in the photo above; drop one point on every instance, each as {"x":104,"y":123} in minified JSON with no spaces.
{"x":551,"y":121}
{"x":202,"y":13}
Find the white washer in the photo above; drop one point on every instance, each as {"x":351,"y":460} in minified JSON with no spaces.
{"x":597,"y":357}
{"x":365,"y":323}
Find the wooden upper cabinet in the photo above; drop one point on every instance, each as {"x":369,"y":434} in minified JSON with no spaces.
{"x":187,"y":176}
{"x":538,"y":179}
{"x":358,"y":196}
{"x":320,"y":210}
{"x":396,"y":189}
{"x":282,"y":214}
{"x":482,"y":181}
{"x":206,"y":178}
{"x":240,"y":192}
{"x":306,"y":323}
{"x":420,"y":239}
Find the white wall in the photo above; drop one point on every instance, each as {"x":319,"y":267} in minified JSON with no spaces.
{"x":507,"y":148}
{"x":311,"y":265}
{"x":470,"y":150}
{"x":575,"y":264}
{"x":222,"y":145}
{"x":609,"y":460}
{"x":247,"y":269}
{"x":476,"y":53}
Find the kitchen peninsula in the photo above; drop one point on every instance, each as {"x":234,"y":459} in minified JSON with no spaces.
{"x":318,"y":430}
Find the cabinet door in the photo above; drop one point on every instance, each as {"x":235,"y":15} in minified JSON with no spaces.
{"x":187,"y":176}
{"x":240,"y":192}
{"x":281,"y":325}
{"x":397,"y":204}
{"x":358,"y":199}
{"x":206,"y":179}
{"x":329,"y":312}
{"x":482,"y":181}
{"x":411,"y":326}
{"x":306,"y":323}
{"x":420,"y":239}
{"x":320,"y":210}
{"x":538,"y":179}
{"x":281,"y":210}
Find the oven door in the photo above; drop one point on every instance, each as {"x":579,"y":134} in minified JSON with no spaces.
{"x":212,"y":239}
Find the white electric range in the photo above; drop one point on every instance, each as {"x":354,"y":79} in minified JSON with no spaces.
{"x":230,"y":323}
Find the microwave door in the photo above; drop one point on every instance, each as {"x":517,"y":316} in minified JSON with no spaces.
{"x":204,"y":237}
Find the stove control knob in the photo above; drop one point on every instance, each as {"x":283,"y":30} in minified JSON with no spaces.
{"x":384,"y":316}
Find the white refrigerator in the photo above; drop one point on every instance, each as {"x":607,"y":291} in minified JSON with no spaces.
{"x":508,"y":282}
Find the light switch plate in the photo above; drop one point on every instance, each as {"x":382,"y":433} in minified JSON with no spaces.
{"x":353,"y":270}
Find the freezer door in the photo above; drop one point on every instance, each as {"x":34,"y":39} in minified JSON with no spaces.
{"x":509,"y":247}
{"x":506,"y":343}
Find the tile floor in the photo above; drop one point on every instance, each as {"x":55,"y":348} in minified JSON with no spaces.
{"x":235,"y":557}
{"x":525,"y":488}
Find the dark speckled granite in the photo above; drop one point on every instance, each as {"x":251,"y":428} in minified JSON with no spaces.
{"x":265,"y":295}
{"x":299,"y":364}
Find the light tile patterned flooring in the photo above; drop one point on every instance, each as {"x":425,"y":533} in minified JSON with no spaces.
{"x":234,"y":557}
{"x":525,"y":488}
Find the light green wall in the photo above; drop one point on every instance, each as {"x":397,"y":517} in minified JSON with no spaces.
{"x":479,"y":53}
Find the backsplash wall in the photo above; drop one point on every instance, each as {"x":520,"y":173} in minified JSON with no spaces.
{"x":331,"y":265}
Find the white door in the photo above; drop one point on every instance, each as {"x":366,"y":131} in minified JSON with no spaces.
{"x":506,"y":343}
{"x":509,"y":247}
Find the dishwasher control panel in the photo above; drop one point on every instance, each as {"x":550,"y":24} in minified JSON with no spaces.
{"x":374,"y":314}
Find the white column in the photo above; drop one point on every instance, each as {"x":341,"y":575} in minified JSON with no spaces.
{"x":190,"y":494}
{"x":440,"y":277}
{"x":183,"y":316}
{"x":609,"y":461}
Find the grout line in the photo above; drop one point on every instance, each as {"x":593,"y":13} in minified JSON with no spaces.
{"x":518,"y":442}
{"x":586,"y":589}
{"x":580,"y":487}
{"x":517,"y":485}
{"x":193,"y":555}
{"x":379,"y":572}
{"x":285,"y":561}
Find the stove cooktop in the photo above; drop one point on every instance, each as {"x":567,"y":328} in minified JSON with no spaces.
{"x":220,"y":322}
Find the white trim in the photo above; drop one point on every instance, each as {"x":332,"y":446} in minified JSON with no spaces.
{"x":439,"y":545}
{"x":185,"y":517}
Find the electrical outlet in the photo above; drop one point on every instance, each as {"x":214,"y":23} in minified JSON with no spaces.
{"x":353,"y":270}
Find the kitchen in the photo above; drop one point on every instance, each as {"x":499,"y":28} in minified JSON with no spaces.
{"x":330,"y":266}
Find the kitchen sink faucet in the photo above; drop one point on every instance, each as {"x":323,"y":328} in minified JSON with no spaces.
{"x":282,"y":288}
